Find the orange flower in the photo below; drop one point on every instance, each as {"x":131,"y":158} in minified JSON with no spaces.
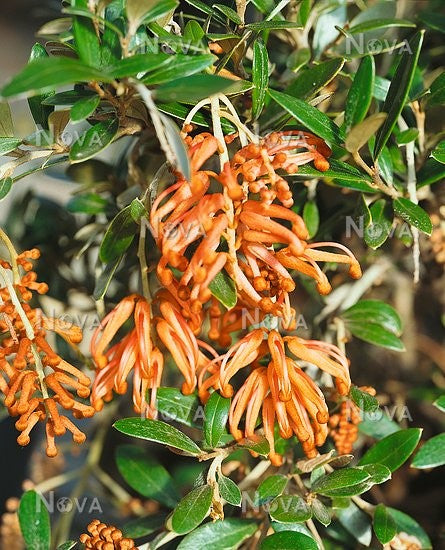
{"x":105,"y":537}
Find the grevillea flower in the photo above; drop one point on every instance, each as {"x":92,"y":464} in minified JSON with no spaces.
{"x":135,"y":353}
{"x":105,"y":537}
{"x":35,"y":380}
{"x":284,"y":393}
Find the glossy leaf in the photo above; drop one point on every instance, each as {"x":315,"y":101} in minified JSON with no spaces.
{"x":272,"y":25}
{"x":310,"y":81}
{"x":431,"y":454}
{"x":94,"y":140}
{"x":384,"y":524}
{"x":270,"y":487}
{"x":8,"y":144}
{"x":440,"y":403}
{"x":430,"y":172}
{"x":393,"y":450}
{"x":179,"y":67}
{"x":52,"y":71}
{"x":311,"y":217}
{"x":229,"y":13}
{"x":288,"y":540}
{"x":407,"y":136}
{"x":68,"y":545}
{"x":160,"y":432}
{"x":398,"y":90}
{"x":118,"y":237}
{"x":377,"y":335}
{"x":85,"y":37}
{"x":406,"y":524}
{"x":6,"y":124}
{"x":145,"y":475}
{"x":5,"y":187}
{"x":378,"y":425}
{"x":310,"y":117}
{"x":185,"y":409}
{"x":260,"y":77}
{"x":84,"y":107}
{"x":360,"y":93}
{"x":216,"y":413}
{"x":104,"y":279}
{"x":381,"y":226}
{"x":437,"y":91}
{"x":88,"y":203}
{"x":363,"y":399}
{"x":229,"y":490}
{"x":374,"y":311}
{"x":223,"y":288}
{"x":192,"y":510}
{"x":39,"y":111}
{"x":360,"y":134}
{"x":191,"y":89}
{"x":138,"y":64}
{"x":177,"y":146}
{"x":68,"y":98}
{"x":413,"y":214}
{"x":356,"y":522}
{"x":345,"y":482}
{"x":34,"y":521}
{"x":219,"y":535}
{"x":439,"y":152}
{"x":374,"y":24}
{"x":289,"y":509}
{"x":378,"y":473}
{"x":143,"y":526}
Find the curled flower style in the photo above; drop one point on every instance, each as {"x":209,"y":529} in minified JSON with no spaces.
{"x":35,"y":380}
{"x":282,"y":391}
{"x":135,"y":353}
{"x":101,"y":536}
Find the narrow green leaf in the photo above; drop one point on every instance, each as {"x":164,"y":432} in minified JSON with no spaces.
{"x":8,"y":144}
{"x":431,"y":454}
{"x":138,"y":64}
{"x":437,"y":91}
{"x":363,"y":131}
{"x":180,"y":66}
{"x":382,"y":220}
{"x":413,"y":214}
{"x":191,"y":89}
{"x":260,"y":77}
{"x":192,"y":510}
{"x":310,"y":117}
{"x":311,"y":217}
{"x":229,"y":490}
{"x":5,"y":187}
{"x":223,"y":288}
{"x":40,"y":112}
{"x":193,"y":32}
{"x":34,"y":522}
{"x":407,"y":136}
{"x":374,"y":311}
{"x":145,"y":475}
{"x":141,"y":527}
{"x":272,"y":25}
{"x":83,"y":108}
{"x":85,"y":37}
{"x":384,"y":524}
{"x":311,"y":80}
{"x":377,"y":335}
{"x":216,"y":413}
{"x":288,"y":540}
{"x":118,"y":237}
{"x":393,"y":450}
{"x":88,"y":203}
{"x":160,"y":432}
{"x":94,"y":140}
{"x":6,"y":124}
{"x":374,"y":24}
{"x":430,"y":172}
{"x":67,"y":545}
{"x":398,"y":90}
{"x":439,"y":152}
{"x":321,"y":512}
{"x":219,"y":535}
{"x":104,"y":279}
{"x":378,"y":425}
{"x":360,"y":93}
{"x":68,"y":98}
{"x":229,"y":13}
{"x":185,"y":409}
{"x":364,"y":400}
{"x":177,"y":145}
{"x":289,"y":509}
{"x":440,"y":403}
{"x":345,"y":482}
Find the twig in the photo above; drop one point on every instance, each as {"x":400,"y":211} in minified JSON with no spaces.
{"x":12,"y":255}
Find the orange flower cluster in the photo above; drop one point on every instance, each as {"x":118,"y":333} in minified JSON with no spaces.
{"x":35,"y":380}
{"x":105,"y":537}
{"x":235,"y":223}
{"x":344,"y":424}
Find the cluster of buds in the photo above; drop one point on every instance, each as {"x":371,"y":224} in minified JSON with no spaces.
{"x":236,"y":222}
{"x":34,"y":379}
{"x":105,"y":537}
{"x":343,"y":426}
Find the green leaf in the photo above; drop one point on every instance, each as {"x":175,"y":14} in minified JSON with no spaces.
{"x":311,"y":217}
{"x":160,"y":432}
{"x":377,"y":425}
{"x":177,"y":145}
{"x":413,"y":214}
{"x":270,"y":488}
{"x":85,"y":37}
{"x":89,"y":203}
{"x":34,"y":522}
{"x":229,"y":490}
{"x":374,"y":311}
{"x":40,"y":112}
{"x":216,"y":413}
{"x":346,"y":482}
{"x":434,"y":20}
{"x":288,"y":540}
{"x":94,"y":140}
{"x":407,"y":136}
{"x":141,"y":527}
{"x":83,"y":108}
{"x":380,"y":228}
{"x":363,"y":131}
{"x":68,"y":98}
{"x":289,"y":509}
{"x":191,"y":89}
{"x":180,"y":66}
{"x":118,"y":237}
{"x":310,"y":81}
{"x":406,"y":524}
{"x":272,"y":25}
{"x":6,"y":124}
{"x":437,"y":91}
{"x":310,"y":117}
{"x":320,"y":512}
{"x":174,"y":405}
{"x":229,"y":13}
{"x":440,"y":403}
{"x":219,"y":535}
{"x":360,"y":93}
{"x":374,"y":24}
{"x":192,"y":510}
{"x":260,"y":445}
{"x":223,"y":288}
{"x":104,"y":279}
{"x":67,"y":545}
{"x":364,"y":400}
{"x":137,"y":64}
{"x":146,"y":476}
{"x":260,"y":77}
{"x":393,"y":450}
{"x":377,"y":335}
{"x":146,"y":11}
{"x":193,"y":32}
{"x":5,"y":187}
{"x":8,"y":144}
{"x":378,"y":473}
{"x":439,"y":152}
{"x":398,"y":90}
{"x":356,"y":522}
{"x":430,"y":172}
{"x":52,"y":71}
{"x":431,"y":454}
